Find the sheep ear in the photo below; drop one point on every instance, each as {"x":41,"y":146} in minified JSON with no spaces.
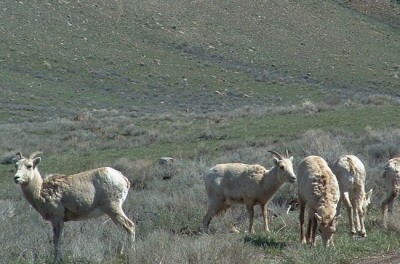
{"x":318,"y":217}
{"x":368,"y":196}
{"x":276,"y":160}
{"x":19,"y":156}
{"x":36,"y":162}
{"x":291,"y":158}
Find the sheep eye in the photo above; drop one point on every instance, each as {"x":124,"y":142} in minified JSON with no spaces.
{"x":29,"y":167}
{"x":281,"y":167}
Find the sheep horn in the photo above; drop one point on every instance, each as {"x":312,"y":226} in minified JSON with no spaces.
{"x":34,"y":154}
{"x":276,"y":154}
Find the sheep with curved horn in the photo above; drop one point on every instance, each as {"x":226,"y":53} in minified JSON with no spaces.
{"x":81,"y":196}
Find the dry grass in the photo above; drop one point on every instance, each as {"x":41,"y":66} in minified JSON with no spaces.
{"x":169,"y":213}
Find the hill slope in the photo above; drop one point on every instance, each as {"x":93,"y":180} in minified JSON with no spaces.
{"x":59,"y":57}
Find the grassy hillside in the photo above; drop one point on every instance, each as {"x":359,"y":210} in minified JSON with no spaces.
{"x":121,"y":83}
{"x":64,"y":56}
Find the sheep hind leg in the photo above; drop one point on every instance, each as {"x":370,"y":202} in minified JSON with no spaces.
{"x":213,"y":210}
{"x":387,"y":205}
{"x":250,"y":211}
{"x":360,"y":216}
{"x":350,"y":212}
{"x":120,"y":219}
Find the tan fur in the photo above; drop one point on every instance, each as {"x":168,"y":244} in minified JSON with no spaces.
{"x":81,"y":196}
{"x":231,"y":183}
{"x":350,"y":173}
{"x":351,"y":164}
{"x":318,"y":189}
{"x":391,"y":178}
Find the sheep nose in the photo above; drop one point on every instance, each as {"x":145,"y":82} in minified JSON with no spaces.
{"x":16,"y":179}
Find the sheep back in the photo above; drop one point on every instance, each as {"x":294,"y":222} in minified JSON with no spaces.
{"x":349,"y":171}
{"x":318,"y":186}
{"x":80,"y":193}
{"x":235,"y":181}
{"x":391,"y":174}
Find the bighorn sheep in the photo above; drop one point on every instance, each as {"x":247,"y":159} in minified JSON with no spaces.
{"x":76,"y":197}
{"x":319,"y":190}
{"x":231,"y":183}
{"x":391,"y":178}
{"x":350,"y":173}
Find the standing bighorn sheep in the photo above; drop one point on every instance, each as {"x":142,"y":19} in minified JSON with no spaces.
{"x":233,"y":183}
{"x":350,"y":173}
{"x":391,"y":178}
{"x":61,"y":198}
{"x":319,"y":190}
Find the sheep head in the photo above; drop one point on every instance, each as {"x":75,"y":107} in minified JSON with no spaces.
{"x":26,"y":167}
{"x":284,"y":167}
{"x":327,"y":227}
{"x":367,"y":200}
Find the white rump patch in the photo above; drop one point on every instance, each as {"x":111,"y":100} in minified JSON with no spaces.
{"x":124,"y":195}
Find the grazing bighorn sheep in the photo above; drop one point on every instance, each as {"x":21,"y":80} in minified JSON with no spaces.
{"x":319,"y":190}
{"x":231,"y":183}
{"x":391,"y":178}
{"x":76,"y":197}
{"x":350,"y":173}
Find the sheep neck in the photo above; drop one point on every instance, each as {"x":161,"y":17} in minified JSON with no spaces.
{"x":271,"y":182}
{"x":32,"y":189}
{"x":327,"y":210}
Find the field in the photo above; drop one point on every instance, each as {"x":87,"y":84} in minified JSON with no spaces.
{"x":123,"y":83}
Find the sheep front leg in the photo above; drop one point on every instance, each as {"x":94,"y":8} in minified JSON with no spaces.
{"x":309,"y":230}
{"x":58,"y":227}
{"x":314,"y":225}
{"x":302,"y":206}
{"x":339,"y":207}
{"x":264,"y":209}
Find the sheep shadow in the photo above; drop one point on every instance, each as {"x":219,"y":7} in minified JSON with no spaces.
{"x":264,"y":242}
